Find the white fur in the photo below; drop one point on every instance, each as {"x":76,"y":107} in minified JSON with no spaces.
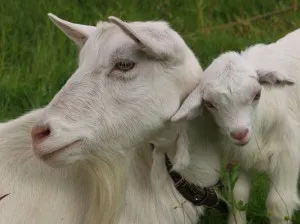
{"x":114,"y":115}
{"x":230,"y":84}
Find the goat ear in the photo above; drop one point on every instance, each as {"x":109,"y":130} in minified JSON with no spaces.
{"x":274,"y":78}
{"x":76,"y":32}
{"x":153,"y":40}
{"x":190,"y":107}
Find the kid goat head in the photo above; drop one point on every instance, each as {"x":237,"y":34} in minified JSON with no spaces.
{"x":131,"y":78}
{"x":230,"y":91}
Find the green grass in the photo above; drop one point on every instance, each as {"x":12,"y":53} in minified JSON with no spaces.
{"x":36,"y":58}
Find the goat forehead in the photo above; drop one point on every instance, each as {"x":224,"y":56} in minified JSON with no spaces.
{"x":228,"y":90}
{"x":219,"y":92}
{"x":106,"y":44}
{"x":111,"y":32}
{"x":230,"y":75}
{"x":229,"y":81}
{"x":110,"y":39}
{"x":229,"y":66}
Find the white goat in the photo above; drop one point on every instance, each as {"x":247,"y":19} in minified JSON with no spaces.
{"x":260,"y":125}
{"x":131,"y":79}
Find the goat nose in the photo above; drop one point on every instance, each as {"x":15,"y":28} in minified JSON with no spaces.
{"x":39,"y":133}
{"x":239,"y":134}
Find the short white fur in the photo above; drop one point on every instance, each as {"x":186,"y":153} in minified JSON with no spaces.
{"x":110,"y":174}
{"x":229,"y":91}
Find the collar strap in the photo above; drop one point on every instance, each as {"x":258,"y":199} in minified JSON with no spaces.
{"x":197,"y":195}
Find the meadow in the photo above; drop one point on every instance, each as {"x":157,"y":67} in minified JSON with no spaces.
{"x":36,"y":59}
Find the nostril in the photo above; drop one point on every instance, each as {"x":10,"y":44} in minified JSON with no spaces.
{"x":40,"y":132}
{"x":239,"y":134}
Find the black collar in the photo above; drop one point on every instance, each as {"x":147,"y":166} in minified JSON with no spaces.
{"x":197,"y":195}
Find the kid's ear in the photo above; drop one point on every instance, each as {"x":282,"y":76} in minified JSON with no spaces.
{"x":190,"y":107}
{"x":274,"y":78}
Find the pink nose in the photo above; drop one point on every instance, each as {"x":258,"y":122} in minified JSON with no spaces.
{"x":39,"y":133}
{"x":239,"y":134}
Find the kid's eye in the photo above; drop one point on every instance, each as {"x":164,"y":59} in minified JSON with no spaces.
{"x":208,"y":104}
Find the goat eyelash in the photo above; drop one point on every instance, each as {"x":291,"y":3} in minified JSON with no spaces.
{"x":124,"y":65}
{"x":257,"y":96}
{"x":208,"y":104}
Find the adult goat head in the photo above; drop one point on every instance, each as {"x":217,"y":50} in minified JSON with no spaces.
{"x":131,"y":79}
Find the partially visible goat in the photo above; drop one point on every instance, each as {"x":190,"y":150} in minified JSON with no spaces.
{"x":131,"y":79}
{"x":260,"y":122}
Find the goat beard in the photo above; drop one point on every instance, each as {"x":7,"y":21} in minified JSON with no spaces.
{"x":109,"y":179}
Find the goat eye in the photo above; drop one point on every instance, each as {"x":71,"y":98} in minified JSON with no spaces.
{"x":257,"y":96}
{"x":124,"y":66}
{"x":208,"y":104}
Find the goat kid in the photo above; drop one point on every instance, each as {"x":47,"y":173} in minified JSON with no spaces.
{"x":259,"y":121}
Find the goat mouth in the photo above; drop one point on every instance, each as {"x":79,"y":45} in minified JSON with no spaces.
{"x":242,"y":142}
{"x":61,"y":149}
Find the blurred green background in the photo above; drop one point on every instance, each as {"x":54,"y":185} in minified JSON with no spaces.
{"x":36,"y":59}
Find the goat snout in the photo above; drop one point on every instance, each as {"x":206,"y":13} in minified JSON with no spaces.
{"x":239,"y":134}
{"x":40,"y":133}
